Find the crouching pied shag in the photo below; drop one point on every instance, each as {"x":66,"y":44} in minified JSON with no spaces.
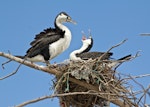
{"x":83,"y":54}
{"x":86,"y":46}
{"x":50,"y":42}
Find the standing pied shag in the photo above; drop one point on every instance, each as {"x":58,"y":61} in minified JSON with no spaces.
{"x":51,"y":42}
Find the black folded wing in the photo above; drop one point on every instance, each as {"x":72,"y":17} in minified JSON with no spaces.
{"x":41,"y":42}
{"x":93,"y":55}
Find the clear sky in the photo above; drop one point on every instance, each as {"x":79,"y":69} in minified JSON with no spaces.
{"x":110,"y":22}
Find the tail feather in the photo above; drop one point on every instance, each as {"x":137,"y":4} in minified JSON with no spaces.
{"x":22,"y":57}
{"x":119,"y":61}
{"x":125,"y":57}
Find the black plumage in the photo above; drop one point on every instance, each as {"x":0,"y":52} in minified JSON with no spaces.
{"x":94,"y":55}
{"x":40,"y":44}
{"x":89,"y":46}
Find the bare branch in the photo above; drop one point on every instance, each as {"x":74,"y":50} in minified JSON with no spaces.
{"x":145,"y":34}
{"x":117,"y":45}
{"x":112,"y":48}
{"x":52,"y":96}
{"x":138,"y":76}
{"x":144,"y":90}
{"x":11,"y":73}
{"x":90,"y":92}
{"x":32,"y":65}
{"x":5,"y":63}
{"x":34,"y":101}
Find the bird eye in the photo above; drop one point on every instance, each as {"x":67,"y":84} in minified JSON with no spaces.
{"x":68,"y":18}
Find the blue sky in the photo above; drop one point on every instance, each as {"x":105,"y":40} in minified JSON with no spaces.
{"x":110,"y":22}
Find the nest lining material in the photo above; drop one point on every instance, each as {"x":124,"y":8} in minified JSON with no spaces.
{"x":93,"y":72}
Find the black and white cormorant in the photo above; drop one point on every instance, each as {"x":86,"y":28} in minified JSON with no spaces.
{"x":86,"y":46}
{"x":50,"y":42}
{"x":84,"y":54}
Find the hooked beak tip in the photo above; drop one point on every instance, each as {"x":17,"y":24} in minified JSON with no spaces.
{"x":74,"y":22}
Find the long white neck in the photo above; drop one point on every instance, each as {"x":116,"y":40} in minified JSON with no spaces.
{"x":67,"y":35}
{"x":73,"y":54}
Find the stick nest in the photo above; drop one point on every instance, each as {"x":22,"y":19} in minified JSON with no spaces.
{"x":94,"y":72}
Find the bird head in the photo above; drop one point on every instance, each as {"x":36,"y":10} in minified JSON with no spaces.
{"x":86,"y":41}
{"x":64,"y":17}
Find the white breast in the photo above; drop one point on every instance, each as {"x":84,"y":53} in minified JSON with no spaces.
{"x":73,"y":57}
{"x":61,"y":45}
{"x":38,"y":58}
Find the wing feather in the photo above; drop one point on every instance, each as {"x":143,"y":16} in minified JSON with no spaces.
{"x":51,"y":33}
{"x":93,"y":55}
{"x":42,"y":40}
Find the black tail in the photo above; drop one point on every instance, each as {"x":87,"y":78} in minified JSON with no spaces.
{"x":119,"y":61}
{"x":22,"y":57}
{"x":125,"y":57}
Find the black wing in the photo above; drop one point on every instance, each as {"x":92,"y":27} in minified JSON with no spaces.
{"x":93,"y":55}
{"x":40,"y":44}
{"x":51,"y":33}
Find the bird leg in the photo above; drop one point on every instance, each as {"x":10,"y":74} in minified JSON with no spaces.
{"x":50,"y":66}
{"x":47,"y":63}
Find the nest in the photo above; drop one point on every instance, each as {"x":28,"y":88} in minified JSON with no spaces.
{"x":95,"y":73}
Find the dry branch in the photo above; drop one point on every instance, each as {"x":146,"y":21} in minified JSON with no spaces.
{"x":58,"y":73}
{"x":145,"y":34}
{"x":90,"y":92}
{"x":32,"y":65}
{"x":101,"y":57}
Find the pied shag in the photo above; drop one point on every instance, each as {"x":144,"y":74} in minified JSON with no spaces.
{"x":86,"y":46}
{"x":83,"y":54}
{"x":50,"y":42}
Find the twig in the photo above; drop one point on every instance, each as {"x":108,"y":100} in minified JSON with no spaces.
{"x":90,"y":92}
{"x":11,"y":73}
{"x":139,"y":76}
{"x":5,"y":63}
{"x":112,"y":48}
{"x":145,"y":91}
{"x":145,"y":34}
{"x":142,"y":99}
{"x":128,"y":59}
{"x":136,"y":55}
{"x":52,"y":96}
